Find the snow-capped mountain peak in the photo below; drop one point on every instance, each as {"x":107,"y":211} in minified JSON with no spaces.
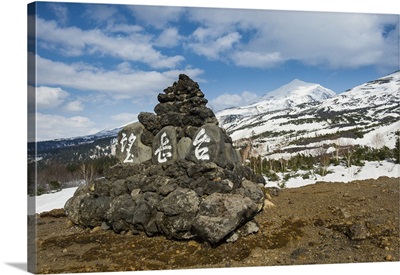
{"x":362,"y":115}
{"x":299,"y":90}
{"x":287,"y":96}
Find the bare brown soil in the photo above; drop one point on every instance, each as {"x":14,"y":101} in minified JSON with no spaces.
{"x":315,"y":224}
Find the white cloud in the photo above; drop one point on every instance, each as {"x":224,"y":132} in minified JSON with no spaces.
{"x":257,"y":59}
{"x":49,"y":98}
{"x":232,"y":100}
{"x":74,"y":106}
{"x":157,"y":16}
{"x":335,"y":40}
{"x":170,"y":37}
{"x":60,"y":11}
{"x":125,"y":118}
{"x":204,"y":42}
{"x":55,"y":126}
{"x":73,"y":41}
{"x":101,"y":13}
{"x":122,"y":82}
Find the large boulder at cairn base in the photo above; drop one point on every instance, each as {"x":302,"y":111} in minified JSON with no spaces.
{"x":220,"y":214}
{"x":178,"y":175}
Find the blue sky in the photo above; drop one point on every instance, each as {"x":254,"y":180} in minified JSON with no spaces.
{"x":99,"y":65}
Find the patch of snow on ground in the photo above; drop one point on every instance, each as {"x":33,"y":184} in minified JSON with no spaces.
{"x":371,"y":170}
{"x":47,"y":202}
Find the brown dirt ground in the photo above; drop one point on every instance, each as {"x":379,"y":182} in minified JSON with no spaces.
{"x":316,"y":224}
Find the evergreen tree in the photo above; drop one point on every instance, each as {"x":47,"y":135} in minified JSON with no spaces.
{"x":397,"y":148}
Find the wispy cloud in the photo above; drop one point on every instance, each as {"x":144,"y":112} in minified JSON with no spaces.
{"x":257,"y":59}
{"x":122,"y":82}
{"x":227,"y":100}
{"x":205,"y":42}
{"x":49,"y":98}
{"x":74,"y":106}
{"x":61,"y":12}
{"x":103,"y":13}
{"x":157,"y":16}
{"x":169,"y":37}
{"x":124,"y":118}
{"x":270,"y":38}
{"x":56,"y":126}
{"x":73,"y":41}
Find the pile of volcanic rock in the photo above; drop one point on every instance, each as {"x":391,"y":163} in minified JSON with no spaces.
{"x":178,"y":176}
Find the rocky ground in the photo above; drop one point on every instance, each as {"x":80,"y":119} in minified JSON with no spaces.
{"x":315,"y":224}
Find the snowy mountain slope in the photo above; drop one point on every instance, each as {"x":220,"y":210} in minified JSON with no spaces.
{"x":288,"y":96}
{"x":300,"y":92}
{"x":74,"y":149}
{"x":380,"y":93}
{"x":356,"y":116}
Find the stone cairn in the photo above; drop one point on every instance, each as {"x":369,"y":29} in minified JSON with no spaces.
{"x":178,"y":176}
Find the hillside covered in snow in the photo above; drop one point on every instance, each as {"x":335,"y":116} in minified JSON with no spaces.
{"x":302,"y":117}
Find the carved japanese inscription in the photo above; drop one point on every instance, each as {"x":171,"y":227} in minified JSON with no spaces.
{"x":201,"y":149}
{"x":165,"y":145}
{"x":126,"y":146}
{"x":129,"y":148}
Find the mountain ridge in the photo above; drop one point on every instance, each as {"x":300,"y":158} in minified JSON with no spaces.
{"x":289,"y":95}
{"x":354,"y":116}
{"x":364,"y":110}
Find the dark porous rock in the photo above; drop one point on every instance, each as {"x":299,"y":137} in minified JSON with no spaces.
{"x":120,"y":213}
{"x":73,"y":204}
{"x":221,"y":214}
{"x":251,"y":190}
{"x":172,"y":119}
{"x":135,"y":182}
{"x":202,"y":112}
{"x":248,"y":174}
{"x":165,"y":108}
{"x":149,"y":217}
{"x":218,"y":186}
{"x":190,"y":131}
{"x":199,"y":101}
{"x":199,"y":169}
{"x":167,"y":97}
{"x":191,"y":120}
{"x":100,"y":187}
{"x":178,"y":175}
{"x":232,"y":156}
{"x":147,"y":137}
{"x":166,"y":189}
{"x":153,"y":183}
{"x":150,"y":121}
{"x":93,"y":210}
{"x":250,"y":227}
{"x":179,"y":208}
{"x":182,"y":200}
{"x":118,"y":188}
{"x":358,"y":231}
{"x":120,"y":171}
